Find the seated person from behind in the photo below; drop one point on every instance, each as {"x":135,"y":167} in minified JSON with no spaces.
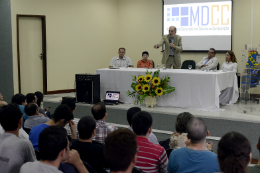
{"x":40,"y":96}
{"x":195,"y":157}
{"x":121,"y":60}
{"x":145,"y":63}
{"x":2,"y":102}
{"x":210,"y":62}
{"x":231,"y":62}
{"x":89,"y":152}
{"x":54,"y":149}
{"x":130,"y":113}
{"x":14,"y":151}
{"x":34,"y":118}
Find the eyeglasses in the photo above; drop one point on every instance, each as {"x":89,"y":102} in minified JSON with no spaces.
{"x":211,"y":52}
{"x":137,"y":149}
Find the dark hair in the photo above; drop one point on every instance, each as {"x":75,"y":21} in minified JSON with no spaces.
{"x":10,"y":116}
{"x":99,"y":110}
{"x":18,"y":99}
{"x":197,"y":130}
{"x":182,"y":121}
{"x":233,"y":153}
{"x":86,"y":127}
{"x":233,"y":56}
{"x":175,"y":29}
{"x":213,"y":50}
{"x":130,"y":113}
{"x":52,"y":141}
{"x":30,"y":109}
{"x":30,"y":97}
{"x":39,"y":96}
{"x":121,"y":48}
{"x":120,"y":149}
{"x":141,"y":122}
{"x":70,"y":102}
{"x":145,"y":52}
{"x":62,"y":112}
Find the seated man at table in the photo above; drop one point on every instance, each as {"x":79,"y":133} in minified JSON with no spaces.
{"x":145,"y":63}
{"x":210,"y":61}
{"x":121,"y":60}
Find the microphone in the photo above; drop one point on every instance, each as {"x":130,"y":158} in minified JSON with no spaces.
{"x":170,"y":41}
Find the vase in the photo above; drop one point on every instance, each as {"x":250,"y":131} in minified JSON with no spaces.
{"x":150,"y":101}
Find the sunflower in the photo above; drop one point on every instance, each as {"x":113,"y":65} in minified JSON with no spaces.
{"x":140,"y":78}
{"x":147,"y":77}
{"x":138,"y":87}
{"x":146,"y":87}
{"x":156,"y":81}
{"x":159,"y":91}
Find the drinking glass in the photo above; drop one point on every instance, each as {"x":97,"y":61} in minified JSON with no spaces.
{"x":158,"y":66}
{"x":190,"y":67}
{"x":164,"y":67}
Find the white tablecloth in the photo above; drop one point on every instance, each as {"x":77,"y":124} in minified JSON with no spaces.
{"x":194,"y":89}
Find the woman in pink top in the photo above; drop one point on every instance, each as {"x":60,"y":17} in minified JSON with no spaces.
{"x":145,"y":63}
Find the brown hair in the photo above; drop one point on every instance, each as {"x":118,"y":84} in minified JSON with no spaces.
{"x":233,"y":56}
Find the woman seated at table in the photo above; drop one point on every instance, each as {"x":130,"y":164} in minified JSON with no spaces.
{"x":231,"y":62}
{"x":145,"y":63}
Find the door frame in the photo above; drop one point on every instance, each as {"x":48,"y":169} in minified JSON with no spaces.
{"x":44,"y":51}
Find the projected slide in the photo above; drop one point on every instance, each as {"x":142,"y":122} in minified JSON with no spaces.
{"x":207,"y":23}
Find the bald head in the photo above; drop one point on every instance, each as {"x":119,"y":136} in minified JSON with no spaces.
{"x":173,"y":27}
{"x":197,"y":130}
{"x":172,"y":31}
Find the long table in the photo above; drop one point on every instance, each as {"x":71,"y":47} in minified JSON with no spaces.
{"x":194,"y":89}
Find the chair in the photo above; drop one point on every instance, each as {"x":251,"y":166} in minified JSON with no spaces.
{"x":89,"y":168}
{"x":153,"y":64}
{"x":27,"y":130}
{"x":168,"y":152}
{"x":136,"y":170}
{"x":38,"y":155}
{"x":218,"y":67}
{"x":165,"y":144}
{"x":186,"y":63}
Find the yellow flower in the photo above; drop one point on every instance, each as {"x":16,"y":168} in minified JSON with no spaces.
{"x":147,"y":77}
{"x":156,"y":81}
{"x":146,"y":87}
{"x":140,"y":78}
{"x":159,"y":91}
{"x":138,"y":87}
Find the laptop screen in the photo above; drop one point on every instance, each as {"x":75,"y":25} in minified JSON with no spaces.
{"x":112,"y":96}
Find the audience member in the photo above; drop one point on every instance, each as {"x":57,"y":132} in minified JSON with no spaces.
{"x":130,"y":113}
{"x":2,"y":102}
{"x":179,"y":138}
{"x":120,"y":151}
{"x":62,"y":115}
{"x":99,"y":112}
{"x":54,"y":149}
{"x":21,"y":101}
{"x":32,"y":110}
{"x":145,"y":63}
{"x":210,"y":61}
{"x":150,"y":157}
{"x":195,"y":157}
{"x":231,"y":62}
{"x":31,"y":98}
{"x":40,"y":96}
{"x":14,"y":151}
{"x":89,"y":152}
{"x":234,"y":153}
{"x":121,"y":60}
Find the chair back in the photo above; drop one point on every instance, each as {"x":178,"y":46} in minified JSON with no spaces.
{"x":27,"y":130}
{"x":186,"y":63}
{"x":136,"y":170}
{"x":89,"y":168}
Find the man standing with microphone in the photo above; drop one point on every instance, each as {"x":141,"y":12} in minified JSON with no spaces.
{"x":173,"y":47}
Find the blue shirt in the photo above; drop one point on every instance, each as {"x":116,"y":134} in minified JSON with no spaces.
{"x":188,"y":160}
{"x":25,"y":116}
{"x":35,"y":133}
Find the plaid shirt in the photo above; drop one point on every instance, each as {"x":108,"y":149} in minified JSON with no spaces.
{"x":67,"y":127}
{"x":102,"y":130}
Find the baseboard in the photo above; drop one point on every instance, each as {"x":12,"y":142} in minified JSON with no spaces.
{"x":61,"y":91}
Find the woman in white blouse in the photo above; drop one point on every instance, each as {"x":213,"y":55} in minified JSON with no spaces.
{"x":231,"y":62}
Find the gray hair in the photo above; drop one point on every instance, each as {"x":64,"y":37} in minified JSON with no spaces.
{"x":174,"y":28}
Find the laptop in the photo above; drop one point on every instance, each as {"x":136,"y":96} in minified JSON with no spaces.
{"x":112,"y":97}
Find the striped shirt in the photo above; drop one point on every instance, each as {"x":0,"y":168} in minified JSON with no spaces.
{"x":151,"y":157}
{"x":67,"y":127}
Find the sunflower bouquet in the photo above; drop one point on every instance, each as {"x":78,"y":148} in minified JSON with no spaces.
{"x":149,"y":85}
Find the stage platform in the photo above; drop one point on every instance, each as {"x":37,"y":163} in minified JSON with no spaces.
{"x":218,"y":123}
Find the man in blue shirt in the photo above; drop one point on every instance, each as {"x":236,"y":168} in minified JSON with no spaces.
{"x":62,"y":115}
{"x":195,"y":157}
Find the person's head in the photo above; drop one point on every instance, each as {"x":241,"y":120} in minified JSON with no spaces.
{"x":1,"y":97}
{"x":142,"y":123}
{"x":31,"y":98}
{"x":182,"y":121}
{"x":230,"y":56}
{"x":234,"y":153}
{"x":54,"y":144}
{"x":145,"y":55}
{"x":11,"y":117}
{"x":19,"y":99}
{"x":121,"y":52}
{"x":211,"y":53}
{"x":197,"y":130}
{"x":172,"y":31}
{"x":130,"y":113}
{"x":120,"y":150}
{"x":62,"y":115}
{"x":31,"y":109}
{"x":86,"y":127}
{"x":99,"y":111}
{"x":39,"y":96}
{"x":70,"y":102}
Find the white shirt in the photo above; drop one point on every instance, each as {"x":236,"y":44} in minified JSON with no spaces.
{"x":22,"y":133}
{"x":121,"y":62}
{"x":211,"y":64}
{"x":231,"y":66}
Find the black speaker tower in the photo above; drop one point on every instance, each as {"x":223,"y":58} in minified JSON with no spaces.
{"x":88,"y":88}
